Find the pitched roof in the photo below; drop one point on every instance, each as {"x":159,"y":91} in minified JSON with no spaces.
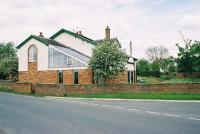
{"x":42,"y":40}
{"x":84,"y":38}
{"x":55,"y":44}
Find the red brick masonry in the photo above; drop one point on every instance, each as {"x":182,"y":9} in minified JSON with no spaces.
{"x":51,"y":76}
{"x":61,"y":90}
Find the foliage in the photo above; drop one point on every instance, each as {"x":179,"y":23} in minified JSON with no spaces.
{"x":157,"y":53}
{"x":159,"y":56}
{"x":164,"y":77}
{"x":155,"y":69}
{"x":189,"y":57}
{"x":149,"y":80}
{"x":168,"y":79}
{"x":168,"y":65}
{"x":108,"y":60}
{"x":143,"y":67}
{"x":8,"y":61}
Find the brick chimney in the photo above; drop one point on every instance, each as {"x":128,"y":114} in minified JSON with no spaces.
{"x":41,"y":35}
{"x":107,"y":33}
{"x":80,"y":32}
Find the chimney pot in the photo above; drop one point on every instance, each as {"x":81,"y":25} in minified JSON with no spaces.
{"x":41,"y":35}
{"x":107,"y":33}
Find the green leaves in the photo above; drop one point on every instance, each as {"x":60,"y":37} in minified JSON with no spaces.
{"x":107,"y":61}
{"x":143,"y":67}
{"x":189,"y":57}
{"x":8,"y":61}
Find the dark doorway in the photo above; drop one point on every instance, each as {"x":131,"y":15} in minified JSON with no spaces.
{"x":130,"y":76}
{"x":60,"y":76}
{"x":76,"y":79}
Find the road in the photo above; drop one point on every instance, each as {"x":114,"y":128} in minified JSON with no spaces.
{"x":34,"y":115}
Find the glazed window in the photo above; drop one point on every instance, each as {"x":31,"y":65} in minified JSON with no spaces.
{"x":60,"y":76}
{"x":76,"y":79}
{"x":32,"y":54}
{"x":60,"y":60}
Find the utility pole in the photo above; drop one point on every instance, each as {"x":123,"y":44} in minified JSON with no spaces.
{"x":134,"y":64}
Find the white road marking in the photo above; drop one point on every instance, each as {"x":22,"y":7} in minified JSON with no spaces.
{"x":95,"y":104}
{"x":119,"y":107}
{"x":105,"y":105}
{"x":194,"y":119}
{"x":151,"y":112}
{"x":130,"y":109}
{"x":172,"y":115}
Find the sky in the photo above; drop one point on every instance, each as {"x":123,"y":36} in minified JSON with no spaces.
{"x":144,"y":22}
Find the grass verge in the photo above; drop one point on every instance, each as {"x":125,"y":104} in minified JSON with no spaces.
{"x":154,"y":80}
{"x":150,"y":95}
{"x":162,"y":96}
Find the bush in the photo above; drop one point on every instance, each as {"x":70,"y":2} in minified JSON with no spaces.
{"x":165,"y":77}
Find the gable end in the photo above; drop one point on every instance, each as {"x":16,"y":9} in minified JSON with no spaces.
{"x":32,"y":37}
{"x":73,"y":34}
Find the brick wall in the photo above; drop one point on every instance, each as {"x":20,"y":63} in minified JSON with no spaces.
{"x":85,"y":76}
{"x":34,"y":76}
{"x":188,"y":75}
{"x":51,"y":76}
{"x":50,"y":89}
{"x":60,"y":89}
{"x":17,"y":87}
{"x":175,"y":88}
{"x":122,"y":78}
{"x":68,"y":77}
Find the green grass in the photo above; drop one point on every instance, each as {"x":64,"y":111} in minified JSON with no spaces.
{"x":162,"y":96}
{"x":154,"y":80}
{"x":149,"y":80}
{"x":184,"y":80}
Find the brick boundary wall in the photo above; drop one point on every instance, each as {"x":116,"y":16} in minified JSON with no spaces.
{"x":174,"y":88}
{"x":188,"y":75}
{"x":16,"y":86}
{"x":61,"y":90}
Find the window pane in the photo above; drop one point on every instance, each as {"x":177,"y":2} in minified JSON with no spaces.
{"x":32,"y":54}
{"x":60,"y":76}
{"x":76,"y":77}
{"x":60,"y":60}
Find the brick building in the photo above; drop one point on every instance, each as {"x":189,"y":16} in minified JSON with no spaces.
{"x":62,"y":58}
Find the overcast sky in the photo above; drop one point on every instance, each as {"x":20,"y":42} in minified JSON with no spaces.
{"x":144,"y":22}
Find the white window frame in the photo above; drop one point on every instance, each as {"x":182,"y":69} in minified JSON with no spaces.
{"x":32,"y":53}
{"x":68,"y":68}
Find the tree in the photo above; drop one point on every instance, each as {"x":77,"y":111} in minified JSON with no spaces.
{"x":155,"y":69}
{"x":8,"y":61}
{"x":168,"y":65}
{"x":189,"y":57}
{"x":159,"y":56}
{"x":157,"y":53}
{"x":143,"y":67}
{"x":108,"y":60}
